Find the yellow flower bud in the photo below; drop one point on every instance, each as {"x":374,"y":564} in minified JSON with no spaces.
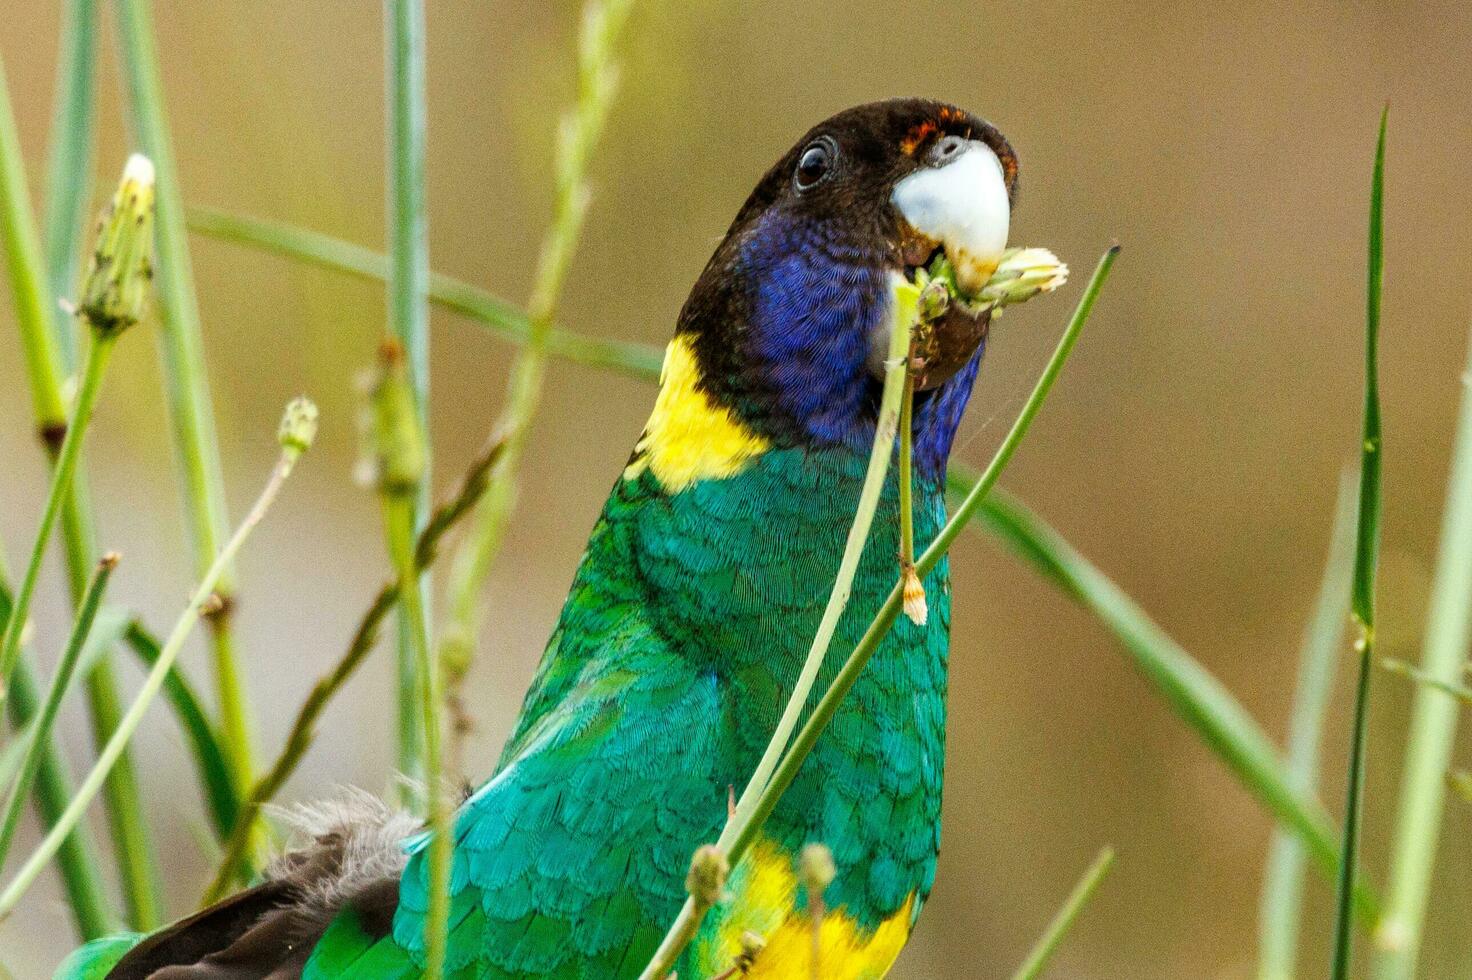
{"x":121,"y":270}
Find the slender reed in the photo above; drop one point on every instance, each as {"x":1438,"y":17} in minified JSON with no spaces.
{"x":741,"y":830}
{"x":46,"y":338}
{"x":904,"y":315}
{"x":303,"y":730}
{"x":76,"y":858}
{"x":1433,"y":727}
{"x":501,"y":317}
{"x":112,"y":300}
{"x":69,"y":173}
{"x":408,"y":322}
{"x":1366,"y":562}
{"x":297,"y":429}
{"x":40,"y":732}
{"x":93,"y":370}
{"x":396,"y":459}
{"x":580,"y":130}
{"x":204,"y":740}
{"x":1217,"y":718}
{"x":1280,"y":907}
{"x":1063,"y":921}
{"x":191,"y":414}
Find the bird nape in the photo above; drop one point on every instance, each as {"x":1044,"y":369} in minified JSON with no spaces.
{"x":685,"y":627}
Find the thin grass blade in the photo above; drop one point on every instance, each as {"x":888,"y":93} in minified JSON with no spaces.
{"x":1063,"y":921}
{"x":40,"y":732}
{"x":1366,"y":563}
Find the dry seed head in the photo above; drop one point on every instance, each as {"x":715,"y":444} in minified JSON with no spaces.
{"x":708,"y":870}
{"x":815,"y":865}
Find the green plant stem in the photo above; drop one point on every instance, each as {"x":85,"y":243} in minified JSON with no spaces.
{"x":1053,"y":936}
{"x":400,"y":519}
{"x":740,"y":832}
{"x":27,"y":275}
{"x":581,"y":128}
{"x":1366,"y":563}
{"x":76,"y":859}
{"x":1433,"y":726}
{"x":204,"y":741}
{"x":1280,"y":908}
{"x":203,"y":594}
{"x":501,"y":317}
{"x":40,"y":734}
{"x":69,"y":173}
{"x":891,"y":403}
{"x":303,"y":730}
{"x":906,"y":477}
{"x":408,"y":311}
{"x":190,"y":412}
{"x":93,"y":371}
{"x":40,"y":326}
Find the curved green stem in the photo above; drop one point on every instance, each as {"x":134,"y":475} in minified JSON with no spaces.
{"x":427,"y":701}
{"x":203,"y":594}
{"x":191,"y":416}
{"x":1068,"y":913}
{"x":742,"y":829}
{"x":40,"y":733}
{"x":93,"y":371}
{"x":76,"y":858}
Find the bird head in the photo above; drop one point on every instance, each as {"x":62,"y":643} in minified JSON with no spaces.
{"x":789,"y":321}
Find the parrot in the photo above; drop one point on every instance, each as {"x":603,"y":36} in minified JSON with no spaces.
{"x":686,"y":624}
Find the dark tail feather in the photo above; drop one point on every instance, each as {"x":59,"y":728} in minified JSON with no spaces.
{"x":268,"y":932}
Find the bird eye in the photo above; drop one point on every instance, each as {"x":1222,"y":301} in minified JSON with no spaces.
{"x":947,"y":150}
{"x":815,"y":163}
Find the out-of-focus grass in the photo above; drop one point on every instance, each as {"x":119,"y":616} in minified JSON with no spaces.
{"x":1280,"y":908}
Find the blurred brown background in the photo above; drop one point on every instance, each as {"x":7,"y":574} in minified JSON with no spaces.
{"x":1192,"y":449}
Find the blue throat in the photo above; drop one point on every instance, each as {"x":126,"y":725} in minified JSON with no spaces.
{"x":814,"y":302}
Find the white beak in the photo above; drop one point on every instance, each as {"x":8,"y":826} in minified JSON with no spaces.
{"x":963,"y":206}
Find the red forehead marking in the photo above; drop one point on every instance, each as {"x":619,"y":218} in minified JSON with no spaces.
{"x":916,"y":136}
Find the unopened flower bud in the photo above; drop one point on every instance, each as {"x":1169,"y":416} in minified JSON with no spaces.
{"x":708,"y":871}
{"x":121,"y":269}
{"x":298,"y":426}
{"x":393,"y":442}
